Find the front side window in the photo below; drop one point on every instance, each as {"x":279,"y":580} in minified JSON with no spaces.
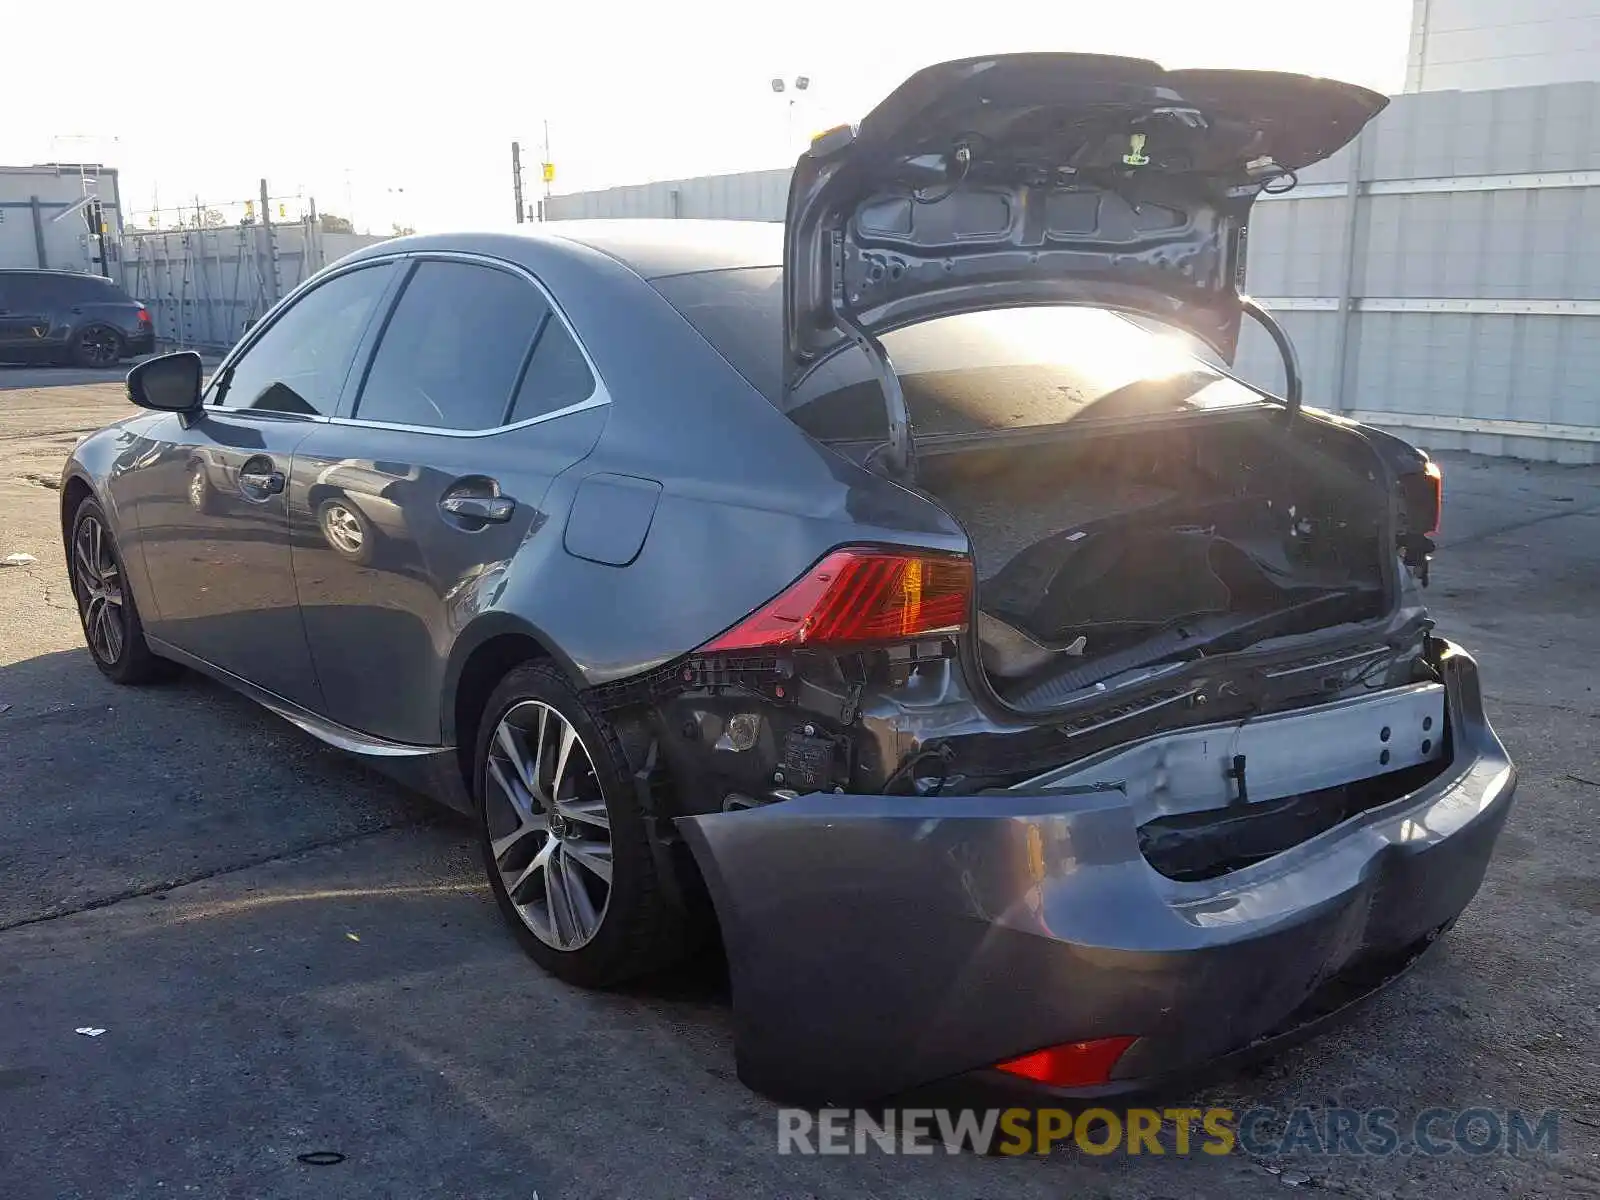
{"x":299,"y":364}
{"x":454,"y":349}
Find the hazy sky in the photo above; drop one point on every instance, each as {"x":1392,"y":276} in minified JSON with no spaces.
{"x":353,"y":101}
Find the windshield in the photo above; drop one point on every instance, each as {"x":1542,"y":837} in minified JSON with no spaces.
{"x":1004,"y":369}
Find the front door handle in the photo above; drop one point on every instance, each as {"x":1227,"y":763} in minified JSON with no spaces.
{"x":261,"y":483}
{"x":480,"y":508}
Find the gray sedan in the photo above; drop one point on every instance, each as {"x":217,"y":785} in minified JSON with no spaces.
{"x":1024,"y":700}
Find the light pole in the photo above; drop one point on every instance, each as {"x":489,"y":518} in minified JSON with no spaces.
{"x":781,"y":87}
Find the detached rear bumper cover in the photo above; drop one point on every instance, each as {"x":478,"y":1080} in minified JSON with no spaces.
{"x":878,"y":943}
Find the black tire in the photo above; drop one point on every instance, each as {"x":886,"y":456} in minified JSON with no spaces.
{"x":640,"y":930}
{"x":106,"y":608}
{"x":347,"y":530}
{"x":97,"y":346}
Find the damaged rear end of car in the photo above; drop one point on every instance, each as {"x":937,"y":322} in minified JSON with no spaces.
{"x":1169,"y":763}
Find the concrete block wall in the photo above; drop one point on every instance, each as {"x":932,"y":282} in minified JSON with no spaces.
{"x":751,"y":196}
{"x":1454,"y":293}
{"x":1502,"y":43}
{"x":1440,"y":277}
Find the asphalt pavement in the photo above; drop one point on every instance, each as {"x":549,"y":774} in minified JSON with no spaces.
{"x":288,"y":955}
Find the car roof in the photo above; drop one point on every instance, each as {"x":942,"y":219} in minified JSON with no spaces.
{"x":657,"y":248}
{"x":53,"y":273}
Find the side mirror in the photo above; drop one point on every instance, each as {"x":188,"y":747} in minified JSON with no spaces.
{"x":170,"y":383}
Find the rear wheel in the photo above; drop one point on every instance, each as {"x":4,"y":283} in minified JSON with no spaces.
{"x":97,"y":346}
{"x":347,"y":530}
{"x":111,"y":624}
{"x":563,"y":840}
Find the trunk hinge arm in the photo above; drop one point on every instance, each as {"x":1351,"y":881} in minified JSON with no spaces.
{"x":1292,"y":385}
{"x":899,"y":458}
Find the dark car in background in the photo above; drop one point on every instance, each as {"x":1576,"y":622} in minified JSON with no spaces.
{"x":70,"y":317}
{"x":1023,"y":699}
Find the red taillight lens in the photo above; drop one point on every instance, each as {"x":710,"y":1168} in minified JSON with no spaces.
{"x":1436,"y":478}
{"x":144,"y":316}
{"x":1075,"y":1064}
{"x":856,"y":596}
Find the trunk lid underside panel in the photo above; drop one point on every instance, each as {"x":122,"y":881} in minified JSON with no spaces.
{"x":1047,"y":179}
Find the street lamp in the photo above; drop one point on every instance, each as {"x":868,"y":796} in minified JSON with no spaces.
{"x":779,"y":86}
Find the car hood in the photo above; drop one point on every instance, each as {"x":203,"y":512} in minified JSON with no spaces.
{"x":1029,"y":179}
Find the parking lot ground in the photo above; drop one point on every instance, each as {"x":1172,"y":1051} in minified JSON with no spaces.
{"x":288,"y":954}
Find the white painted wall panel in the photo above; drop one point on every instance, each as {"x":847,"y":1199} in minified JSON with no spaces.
{"x":1480,"y":44}
{"x":1484,"y":200}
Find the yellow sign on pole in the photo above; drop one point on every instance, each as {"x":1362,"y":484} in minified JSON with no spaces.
{"x":549,"y":172}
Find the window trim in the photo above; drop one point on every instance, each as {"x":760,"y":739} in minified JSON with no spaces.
{"x":596,"y":398}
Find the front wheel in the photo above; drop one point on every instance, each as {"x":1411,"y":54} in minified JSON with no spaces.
{"x":111,"y":624}
{"x":563,"y":840}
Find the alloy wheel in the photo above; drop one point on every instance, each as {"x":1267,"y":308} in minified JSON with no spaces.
{"x":549,"y":828}
{"x":97,"y":579}
{"x":100,"y":348}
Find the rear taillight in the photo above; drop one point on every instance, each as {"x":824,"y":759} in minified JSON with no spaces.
{"x":144,"y":316}
{"x":1435,"y":478}
{"x":860,"y":596}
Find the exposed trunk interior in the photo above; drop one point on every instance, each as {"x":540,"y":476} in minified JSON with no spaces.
{"x":1101,"y":550}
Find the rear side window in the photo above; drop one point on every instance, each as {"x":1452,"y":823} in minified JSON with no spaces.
{"x":63,"y":289}
{"x":92,"y":289}
{"x":454,"y":349}
{"x":299,"y":364}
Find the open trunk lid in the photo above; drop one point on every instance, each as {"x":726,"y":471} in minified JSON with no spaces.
{"x":1029,"y":179}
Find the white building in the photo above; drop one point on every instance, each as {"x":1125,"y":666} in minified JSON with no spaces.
{"x":1476,"y":44}
{"x":47,"y":217}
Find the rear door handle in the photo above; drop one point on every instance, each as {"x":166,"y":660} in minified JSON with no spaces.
{"x":480,"y":508}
